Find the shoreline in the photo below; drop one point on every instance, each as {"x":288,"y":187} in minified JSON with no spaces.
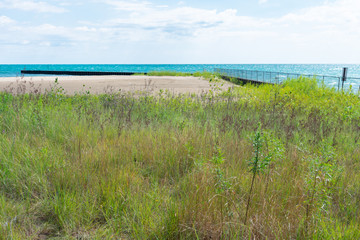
{"x":106,"y":84}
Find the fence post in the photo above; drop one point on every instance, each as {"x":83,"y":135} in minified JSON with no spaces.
{"x":345,"y":70}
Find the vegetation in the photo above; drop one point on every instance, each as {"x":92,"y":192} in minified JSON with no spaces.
{"x":169,"y":73}
{"x":254,"y":162}
{"x":181,"y":74}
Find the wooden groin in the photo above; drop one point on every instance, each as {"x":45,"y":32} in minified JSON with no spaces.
{"x":77,"y":73}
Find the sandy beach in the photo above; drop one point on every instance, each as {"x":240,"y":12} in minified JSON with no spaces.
{"x":107,"y":84}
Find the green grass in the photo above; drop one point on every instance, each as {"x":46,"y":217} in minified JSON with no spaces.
{"x":206,"y":75}
{"x":125,"y":166}
{"x":168,"y":73}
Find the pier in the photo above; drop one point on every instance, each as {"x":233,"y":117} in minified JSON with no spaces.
{"x":265,"y":77}
{"x":77,"y":73}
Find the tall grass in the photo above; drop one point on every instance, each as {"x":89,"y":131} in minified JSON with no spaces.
{"x":176,"y":166}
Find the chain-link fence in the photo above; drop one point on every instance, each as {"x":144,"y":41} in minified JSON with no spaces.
{"x":278,"y":77}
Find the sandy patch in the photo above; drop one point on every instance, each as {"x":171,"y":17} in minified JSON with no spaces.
{"x":105,"y":84}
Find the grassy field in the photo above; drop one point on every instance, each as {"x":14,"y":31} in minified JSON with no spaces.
{"x":254,"y":162}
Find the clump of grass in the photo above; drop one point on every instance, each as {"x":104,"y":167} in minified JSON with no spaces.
{"x":169,"y":73}
{"x":206,"y":75}
{"x":170,"y":166}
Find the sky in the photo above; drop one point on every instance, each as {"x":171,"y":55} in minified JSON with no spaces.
{"x":179,"y":32}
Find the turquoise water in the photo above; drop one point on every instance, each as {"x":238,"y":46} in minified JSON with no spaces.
{"x":313,"y":69}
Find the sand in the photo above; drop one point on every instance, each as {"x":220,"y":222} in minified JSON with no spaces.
{"x":107,"y":84}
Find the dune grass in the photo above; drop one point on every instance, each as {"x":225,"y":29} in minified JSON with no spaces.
{"x":263,"y":162}
{"x":169,"y":73}
{"x":204,"y":74}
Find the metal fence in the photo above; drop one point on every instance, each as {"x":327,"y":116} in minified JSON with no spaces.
{"x":278,"y":77}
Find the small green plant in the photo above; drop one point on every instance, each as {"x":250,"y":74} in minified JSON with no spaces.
{"x":321,"y":181}
{"x":254,"y":166}
{"x":222,"y":184}
{"x":262,"y":159}
{"x":57,"y":91}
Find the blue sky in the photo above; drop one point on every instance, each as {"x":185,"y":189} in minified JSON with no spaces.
{"x":198,"y":31}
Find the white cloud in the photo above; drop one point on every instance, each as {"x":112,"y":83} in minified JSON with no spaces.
{"x":341,"y":17}
{"x":158,"y":23}
{"x":332,"y":22}
{"x":28,"y":5}
{"x":147,"y":21}
{"x":311,"y":33}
